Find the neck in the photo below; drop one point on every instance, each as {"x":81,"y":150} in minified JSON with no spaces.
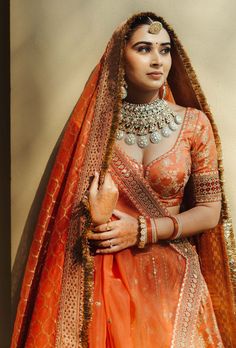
{"x":141,"y":97}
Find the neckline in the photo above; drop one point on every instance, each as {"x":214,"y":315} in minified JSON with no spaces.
{"x":148,"y":166}
{"x":143,"y":105}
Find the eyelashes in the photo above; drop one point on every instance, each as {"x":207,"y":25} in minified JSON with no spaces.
{"x":166,"y":50}
{"x":144,"y":49}
{"x":147,"y":49}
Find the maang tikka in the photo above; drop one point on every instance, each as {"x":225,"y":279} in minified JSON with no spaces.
{"x":155,"y":27}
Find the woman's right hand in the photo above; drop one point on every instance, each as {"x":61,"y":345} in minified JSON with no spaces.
{"x":102,"y":201}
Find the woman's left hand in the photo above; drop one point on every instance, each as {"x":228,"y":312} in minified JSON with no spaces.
{"x":115,"y":235}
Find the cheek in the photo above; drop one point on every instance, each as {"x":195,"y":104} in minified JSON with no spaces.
{"x":131,"y":64}
{"x":167,"y":65}
{"x":134,"y":66}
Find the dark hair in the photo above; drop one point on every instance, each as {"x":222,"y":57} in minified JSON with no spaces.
{"x":142,"y":19}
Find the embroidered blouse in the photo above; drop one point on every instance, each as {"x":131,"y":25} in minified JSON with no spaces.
{"x":193,"y":156}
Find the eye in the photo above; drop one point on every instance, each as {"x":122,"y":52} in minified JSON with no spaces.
{"x":165,"y":50}
{"x":144,"y":49}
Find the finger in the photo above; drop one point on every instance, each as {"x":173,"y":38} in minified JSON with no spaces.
{"x":94,"y":185}
{"x":103,"y":235}
{"x":118,"y":213}
{"x":108,"y":179}
{"x":112,"y":249}
{"x":105,"y":227}
{"x":109,"y":182}
{"x":109,"y":243}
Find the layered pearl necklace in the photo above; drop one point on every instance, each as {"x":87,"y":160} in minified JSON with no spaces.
{"x":144,"y":123}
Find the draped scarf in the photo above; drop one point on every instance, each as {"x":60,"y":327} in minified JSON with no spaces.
{"x":87,"y":145}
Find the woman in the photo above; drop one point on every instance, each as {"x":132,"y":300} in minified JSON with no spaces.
{"x":129,"y":276}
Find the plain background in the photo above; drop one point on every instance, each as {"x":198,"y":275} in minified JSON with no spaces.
{"x":54,"y":46}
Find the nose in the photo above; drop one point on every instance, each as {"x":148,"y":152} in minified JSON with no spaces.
{"x":156,"y":58}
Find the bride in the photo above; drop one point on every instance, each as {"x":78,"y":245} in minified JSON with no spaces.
{"x":135,"y":204}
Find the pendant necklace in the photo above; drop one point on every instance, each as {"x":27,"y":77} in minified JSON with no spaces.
{"x":145,"y":123}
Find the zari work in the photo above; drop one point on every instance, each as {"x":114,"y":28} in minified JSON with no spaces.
{"x":99,"y":301}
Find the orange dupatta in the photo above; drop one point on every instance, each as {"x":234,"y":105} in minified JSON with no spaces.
{"x":86,"y":146}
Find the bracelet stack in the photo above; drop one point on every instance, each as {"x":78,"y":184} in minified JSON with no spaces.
{"x":147,"y":231}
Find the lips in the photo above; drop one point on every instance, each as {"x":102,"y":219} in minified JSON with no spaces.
{"x":155,"y":73}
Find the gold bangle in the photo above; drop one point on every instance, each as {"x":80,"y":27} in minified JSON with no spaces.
{"x":154,"y":231}
{"x":180,"y":231}
{"x":176,"y":227}
{"x":142,"y":232}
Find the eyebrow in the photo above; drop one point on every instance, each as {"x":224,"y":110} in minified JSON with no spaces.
{"x":150,"y":43}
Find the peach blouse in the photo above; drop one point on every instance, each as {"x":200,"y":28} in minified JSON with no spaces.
{"x":193,"y":157}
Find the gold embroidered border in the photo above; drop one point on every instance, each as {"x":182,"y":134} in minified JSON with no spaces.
{"x":75,"y":310}
{"x":130,"y":182}
{"x":190,"y":298}
{"x":133,"y":184}
{"x":71,"y":302}
{"x":206,"y":187}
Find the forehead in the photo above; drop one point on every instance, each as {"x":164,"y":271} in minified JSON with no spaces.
{"x":142,"y":34}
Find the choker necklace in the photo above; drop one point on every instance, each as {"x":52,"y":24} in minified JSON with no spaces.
{"x":141,"y":123}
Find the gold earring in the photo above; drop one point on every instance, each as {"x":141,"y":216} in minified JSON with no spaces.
{"x":164,"y":91}
{"x":124,"y":89}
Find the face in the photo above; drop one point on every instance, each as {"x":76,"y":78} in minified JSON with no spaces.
{"x":147,"y":59}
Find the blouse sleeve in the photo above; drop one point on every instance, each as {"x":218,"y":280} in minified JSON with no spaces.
{"x":204,"y":173}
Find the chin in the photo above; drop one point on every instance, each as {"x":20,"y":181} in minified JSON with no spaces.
{"x":147,"y":86}
{"x":152,"y":88}
{"x":154,"y":84}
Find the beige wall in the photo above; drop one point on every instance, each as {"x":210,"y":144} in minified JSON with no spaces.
{"x":55,"y":45}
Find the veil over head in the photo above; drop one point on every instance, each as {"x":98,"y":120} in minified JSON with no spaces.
{"x":63,"y":221}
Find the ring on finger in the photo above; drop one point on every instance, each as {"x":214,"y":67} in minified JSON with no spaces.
{"x":108,"y":227}
{"x":111,"y":245}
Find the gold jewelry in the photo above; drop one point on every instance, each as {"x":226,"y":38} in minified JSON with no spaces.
{"x":155,"y":27}
{"x":164,"y":91}
{"x":154,"y":231}
{"x":142,"y":123}
{"x":142,"y":232}
{"x":124,"y":88}
{"x":108,"y":228}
